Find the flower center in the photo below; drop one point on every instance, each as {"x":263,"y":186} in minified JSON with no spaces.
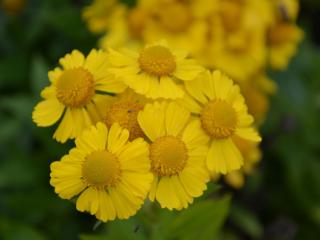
{"x":175,"y":17}
{"x":281,"y":33}
{"x":231,"y":13}
{"x":137,"y":19}
{"x":125,"y":113}
{"x":168,"y":156}
{"x":157,"y":61}
{"x":101,"y":169}
{"x":218,"y":119}
{"x":75,"y":87}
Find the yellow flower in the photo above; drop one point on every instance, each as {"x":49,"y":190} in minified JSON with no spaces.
{"x":155,"y":71}
{"x":72,"y":95}
{"x":283,"y":40}
{"x":182,"y":23}
{"x":237,"y":39}
{"x":99,"y":14}
{"x":177,"y":153}
{"x":111,"y":176}
{"x":13,"y":6}
{"x":223,"y":114}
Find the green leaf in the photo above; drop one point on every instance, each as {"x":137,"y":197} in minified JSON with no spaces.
{"x":200,"y":221}
{"x":39,"y":79}
{"x":247,"y":222}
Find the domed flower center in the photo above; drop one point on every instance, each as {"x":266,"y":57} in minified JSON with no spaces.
{"x":281,"y":33}
{"x":168,"y":156}
{"x":175,"y":17}
{"x":218,"y":119}
{"x":231,"y":14}
{"x":101,"y":169}
{"x":75,"y":87}
{"x":125,"y":113}
{"x":157,"y":61}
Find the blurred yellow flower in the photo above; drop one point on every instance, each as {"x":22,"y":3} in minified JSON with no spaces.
{"x":251,"y":154}
{"x":222,"y":114}
{"x":283,"y":35}
{"x":111,"y":175}
{"x":99,"y":13}
{"x":155,"y":71}
{"x":73,"y":94}
{"x":12,"y":6}
{"x":177,"y":153}
{"x":124,"y":109}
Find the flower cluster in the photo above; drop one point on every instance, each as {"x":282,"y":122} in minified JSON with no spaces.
{"x":148,"y":124}
{"x":242,"y":38}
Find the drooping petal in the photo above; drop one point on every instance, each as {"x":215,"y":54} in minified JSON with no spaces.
{"x":224,"y":157}
{"x":47,"y":112}
{"x":65,"y":129}
{"x":248,"y":133}
{"x":176,"y":118}
{"x":151,"y":120}
{"x":72,"y":60}
{"x":117,"y":138}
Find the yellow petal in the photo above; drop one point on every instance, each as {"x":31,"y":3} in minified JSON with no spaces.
{"x":48,"y":92}
{"x":224,"y":157}
{"x":72,"y":60}
{"x":54,"y":75}
{"x":187,"y":70}
{"x":194,"y":136}
{"x":193,"y":181}
{"x":81,"y":120}
{"x":106,"y":209}
{"x":151,"y":120}
{"x":88,"y":201}
{"x":248,"y":133}
{"x":118,"y":59}
{"x":117,"y":138}
{"x":65,"y":128}
{"x":125,"y":202}
{"x":168,"y":89}
{"x":153,"y":188}
{"x":176,"y":117}
{"x":166,"y":194}
{"x":47,"y":112}
{"x":93,"y":139}
{"x":135,"y":156}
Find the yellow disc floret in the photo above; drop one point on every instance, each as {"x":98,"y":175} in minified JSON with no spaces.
{"x":168,"y":156}
{"x":218,"y":119}
{"x":157,"y":61}
{"x":101,"y":169}
{"x":75,"y":87}
{"x":125,"y":113}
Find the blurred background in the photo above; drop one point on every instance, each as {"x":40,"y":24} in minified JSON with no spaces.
{"x":279,"y":201}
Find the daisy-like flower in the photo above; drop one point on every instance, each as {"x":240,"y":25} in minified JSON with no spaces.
{"x":111,"y":176}
{"x":177,"y":154}
{"x":75,"y":93}
{"x":156,"y":71}
{"x":222,"y":114}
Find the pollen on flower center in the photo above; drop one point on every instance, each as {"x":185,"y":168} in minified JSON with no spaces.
{"x":168,"y":156}
{"x":218,"y":119}
{"x":101,"y":169}
{"x":175,"y":17}
{"x":125,"y":113}
{"x":157,"y":61}
{"x":75,"y":87}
